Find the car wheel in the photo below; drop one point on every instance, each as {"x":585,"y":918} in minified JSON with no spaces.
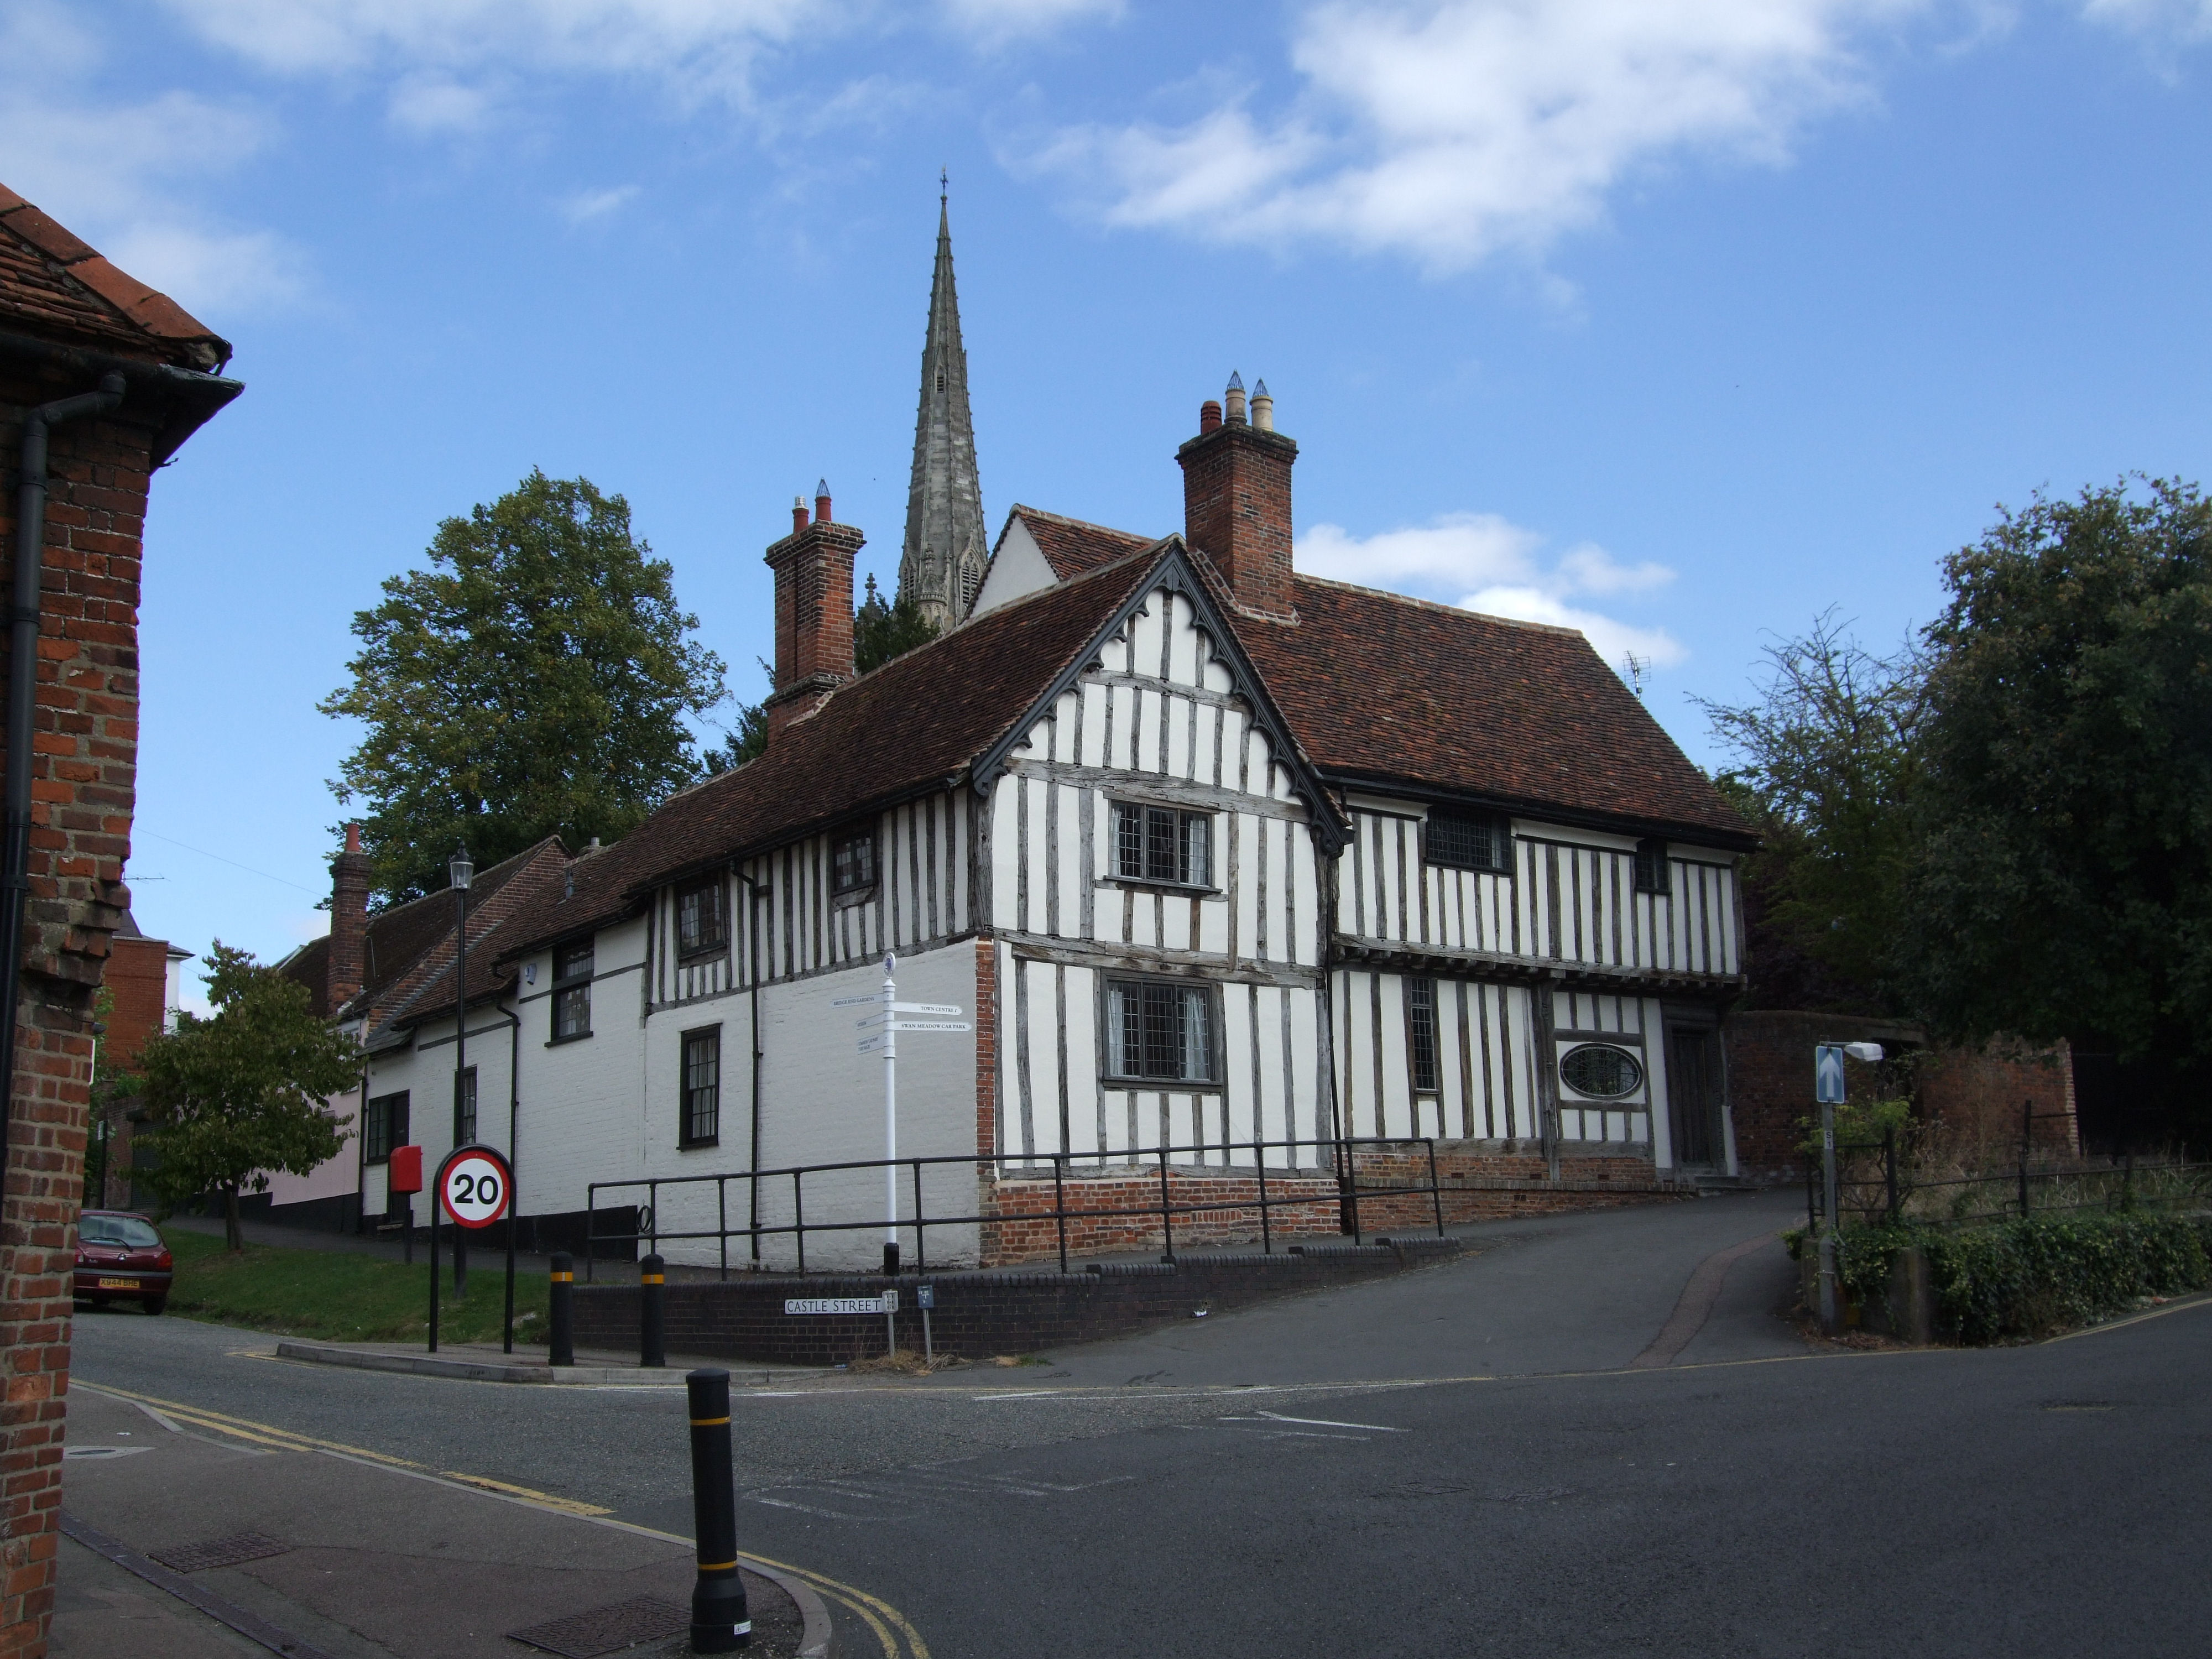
{"x":155,"y":1304}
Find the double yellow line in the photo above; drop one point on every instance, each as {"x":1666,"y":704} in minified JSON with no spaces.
{"x":898,"y":1637}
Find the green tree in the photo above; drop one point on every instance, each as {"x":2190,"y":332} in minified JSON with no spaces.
{"x":233,"y":1097}
{"x":533,"y":682}
{"x":2061,"y":882}
{"x":881,"y":632}
{"x":1827,"y":761}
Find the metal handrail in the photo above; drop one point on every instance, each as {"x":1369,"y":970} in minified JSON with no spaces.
{"x":1347,"y":1196}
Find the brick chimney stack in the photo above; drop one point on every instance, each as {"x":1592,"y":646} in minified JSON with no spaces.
{"x":1237,"y":498}
{"x":343,"y":970}
{"x":813,"y":568}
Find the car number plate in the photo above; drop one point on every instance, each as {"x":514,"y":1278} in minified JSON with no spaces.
{"x":119,"y":1284}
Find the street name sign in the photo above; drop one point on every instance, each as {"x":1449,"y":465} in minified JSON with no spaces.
{"x":887,"y":1302}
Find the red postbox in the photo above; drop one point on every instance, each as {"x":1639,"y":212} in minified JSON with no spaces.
{"x":405,"y":1173}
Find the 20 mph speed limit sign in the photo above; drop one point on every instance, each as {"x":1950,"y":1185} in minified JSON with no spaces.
{"x":474,"y":1186}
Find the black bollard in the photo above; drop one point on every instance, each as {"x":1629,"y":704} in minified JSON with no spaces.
{"x":561,"y":1315}
{"x":720,"y":1622}
{"x":652,"y":1313}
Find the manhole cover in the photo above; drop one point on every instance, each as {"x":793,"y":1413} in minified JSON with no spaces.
{"x":608,"y":1629}
{"x":231,"y":1551}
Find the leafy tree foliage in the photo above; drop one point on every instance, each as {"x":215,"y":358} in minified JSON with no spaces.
{"x":533,"y":682}
{"x":1827,"y":761}
{"x":2061,"y":885}
{"x":230,"y":1098}
{"x":881,"y":632}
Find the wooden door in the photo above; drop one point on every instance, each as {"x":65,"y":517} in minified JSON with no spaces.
{"x":1693,"y":1096}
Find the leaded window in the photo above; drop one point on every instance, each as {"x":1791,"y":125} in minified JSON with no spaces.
{"x":1651,"y":866}
{"x":1421,"y":1031}
{"x":852,"y":861}
{"x":1159,"y":843}
{"x":1159,"y":1029}
{"x":1469,"y":841}
{"x":572,"y":991}
{"x":702,"y":1086}
{"x":1601,"y":1071}
{"x":699,"y":916}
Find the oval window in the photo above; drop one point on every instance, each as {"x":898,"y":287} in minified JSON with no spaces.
{"x":1602,"y":1070}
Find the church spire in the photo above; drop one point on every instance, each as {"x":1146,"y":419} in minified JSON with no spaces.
{"x":941,"y":564}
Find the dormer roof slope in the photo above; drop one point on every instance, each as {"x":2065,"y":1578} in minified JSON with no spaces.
{"x":57,"y":287}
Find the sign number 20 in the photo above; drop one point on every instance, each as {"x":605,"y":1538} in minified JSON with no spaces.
{"x":476,"y":1187}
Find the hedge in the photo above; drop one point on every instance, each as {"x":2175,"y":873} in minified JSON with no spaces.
{"x":2031,"y":1277}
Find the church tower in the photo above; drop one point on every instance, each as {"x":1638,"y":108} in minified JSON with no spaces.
{"x":941,"y":564}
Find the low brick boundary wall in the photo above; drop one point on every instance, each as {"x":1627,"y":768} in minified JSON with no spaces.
{"x":994,"y":1311}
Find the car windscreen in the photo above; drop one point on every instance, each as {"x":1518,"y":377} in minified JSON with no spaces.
{"x":119,"y":1230}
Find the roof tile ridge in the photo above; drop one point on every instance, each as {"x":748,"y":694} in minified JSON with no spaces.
{"x":1022,"y":508}
{"x":430,"y":966}
{"x":1441,"y":606}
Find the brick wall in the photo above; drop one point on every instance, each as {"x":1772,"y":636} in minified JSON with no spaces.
{"x":1237,"y":510}
{"x":84,"y":784}
{"x":977,"y":1314}
{"x":137,"y":984}
{"x":1973,"y":1098}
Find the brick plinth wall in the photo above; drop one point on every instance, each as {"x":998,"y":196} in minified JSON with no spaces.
{"x":977,"y":1314}
{"x":1474,"y":1184}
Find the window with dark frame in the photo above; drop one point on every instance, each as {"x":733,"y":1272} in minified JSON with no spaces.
{"x":384,"y":1126}
{"x":1469,"y":841}
{"x":1163,"y":844}
{"x":1159,"y":1029}
{"x":852,"y":862}
{"x":1651,"y":866}
{"x":702,"y":1087}
{"x":699,"y":925}
{"x":465,"y":1108}
{"x":1421,"y":1029}
{"x":572,"y":992}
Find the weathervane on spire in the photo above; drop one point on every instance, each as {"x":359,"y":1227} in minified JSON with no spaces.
{"x":944,"y":185}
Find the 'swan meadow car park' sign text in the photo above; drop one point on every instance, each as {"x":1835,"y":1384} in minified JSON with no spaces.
{"x":887,"y":1302}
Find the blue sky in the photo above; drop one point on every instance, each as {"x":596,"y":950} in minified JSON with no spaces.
{"x":1676,"y":320}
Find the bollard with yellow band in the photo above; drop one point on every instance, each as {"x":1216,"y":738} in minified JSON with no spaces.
{"x":561,"y":1312}
{"x":652,"y":1319}
{"x":720,"y":1621}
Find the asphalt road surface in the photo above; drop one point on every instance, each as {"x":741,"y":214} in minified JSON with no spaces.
{"x":1462,"y":1460}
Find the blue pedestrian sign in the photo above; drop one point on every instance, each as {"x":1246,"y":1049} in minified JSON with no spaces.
{"x":1828,"y":1073}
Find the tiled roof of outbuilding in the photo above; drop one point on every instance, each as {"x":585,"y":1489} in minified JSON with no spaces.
{"x":1072,"y":547}
{"x":55,"y":285}
{"x":912,"y":725}
{"x":1381,"y":687}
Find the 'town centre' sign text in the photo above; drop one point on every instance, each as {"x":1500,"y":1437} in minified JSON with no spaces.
{"x":887,"y":1302}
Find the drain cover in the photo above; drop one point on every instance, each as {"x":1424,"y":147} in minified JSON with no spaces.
{"x":608,"y":1629}
{"x":231,"y":1551}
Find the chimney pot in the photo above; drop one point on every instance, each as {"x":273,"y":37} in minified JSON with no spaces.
{"x":798,"y":513}
{"x":1209,"y":416}
{"x":1234,"y":400}
{"x":822,"y":502}
{"x":1263,"y":408}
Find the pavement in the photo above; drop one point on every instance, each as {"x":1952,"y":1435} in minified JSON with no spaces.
{"x":1594,"y":1435}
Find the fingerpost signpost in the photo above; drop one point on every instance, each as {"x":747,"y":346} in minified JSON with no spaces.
{"x":892,"y":1018}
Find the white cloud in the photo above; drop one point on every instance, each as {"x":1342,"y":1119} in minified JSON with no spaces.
{"x":2173,"y":20}
{"x":1484,"y":562}
{"x":994,"y":20}
{"x":429,"y":103}
{"x":1453,"y":129}
{"x":119,"y":174}
{"x":585,"y":205}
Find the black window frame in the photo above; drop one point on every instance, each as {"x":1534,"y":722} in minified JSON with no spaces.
{"x":573,"y":964}
{"x":1160,"y":1003}
{"x":1440,"y":848}
{"x":714,"y":935}
{"x":1422,"y":1050}
{"x":376,"y":1127}
{"x":844,"y":884}
{"x":1652,"y":875}
{"x":464,"y":1106}
{"x":1153,"y":845}
{"x":689,"y":1134}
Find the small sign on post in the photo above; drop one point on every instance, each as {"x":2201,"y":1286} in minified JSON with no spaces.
{"x":1828,"y":1074}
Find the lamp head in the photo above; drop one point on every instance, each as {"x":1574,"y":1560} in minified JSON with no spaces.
{"x":460,"y":868}
{"x":1870,"y":1052}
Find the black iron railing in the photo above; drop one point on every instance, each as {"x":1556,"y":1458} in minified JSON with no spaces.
{"x":1068,"y":1172}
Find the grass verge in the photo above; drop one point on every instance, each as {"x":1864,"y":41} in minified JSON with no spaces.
{"x":344,"y":1297}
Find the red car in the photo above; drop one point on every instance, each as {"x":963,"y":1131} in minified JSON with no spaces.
{"x":121,"y":1255}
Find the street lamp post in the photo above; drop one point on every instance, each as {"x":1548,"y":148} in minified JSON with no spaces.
{"x":463,"y":872}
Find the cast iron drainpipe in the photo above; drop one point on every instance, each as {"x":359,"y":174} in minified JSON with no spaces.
{"x":22,"y":705}
{"x":754,"y":896}
{"x":513,"y":1114}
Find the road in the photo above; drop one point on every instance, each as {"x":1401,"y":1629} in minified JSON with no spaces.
{"x":1460,"y":1461}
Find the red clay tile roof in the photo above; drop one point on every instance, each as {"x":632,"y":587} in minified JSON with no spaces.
{"x":913,"y":724}
{"x":1382,"y":687}
{"x":1072,"y":547}
{"x":53,"y":285}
